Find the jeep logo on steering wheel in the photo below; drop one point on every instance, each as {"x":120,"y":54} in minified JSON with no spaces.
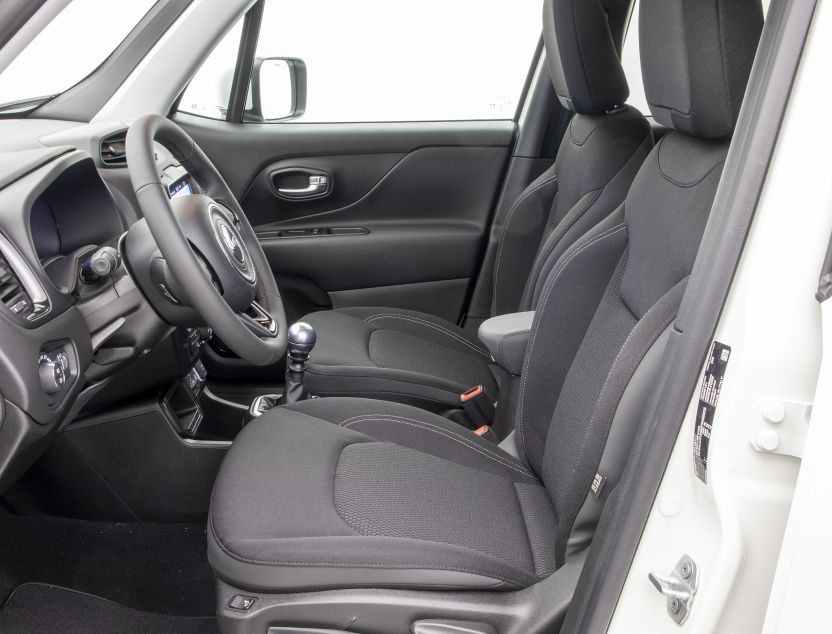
{"x":231,"y":242}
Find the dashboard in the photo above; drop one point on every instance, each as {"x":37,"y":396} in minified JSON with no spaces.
{"x":181,"y":187}
{"x":71,"y":316}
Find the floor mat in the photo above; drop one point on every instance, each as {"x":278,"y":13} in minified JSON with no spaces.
{"x":158,"y":568}
{"x":35,"y":607}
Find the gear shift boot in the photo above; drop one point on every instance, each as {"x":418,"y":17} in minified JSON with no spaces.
{"x":262,"y":404}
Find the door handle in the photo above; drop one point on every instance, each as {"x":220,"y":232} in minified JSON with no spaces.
{"x":316,"y":185}
{"x":298,"y":183}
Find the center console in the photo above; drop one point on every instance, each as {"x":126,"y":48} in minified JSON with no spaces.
{"x":155,"y":455}
{"x":182,"y":400}
{"x":195,"y":412}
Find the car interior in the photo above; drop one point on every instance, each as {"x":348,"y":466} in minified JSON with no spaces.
{"x":298,"y":378}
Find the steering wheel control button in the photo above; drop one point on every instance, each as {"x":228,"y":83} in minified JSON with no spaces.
{"x":241,"y":602}
{"x":102,"y":263}
{"x":158,"y":274}
{"x":54,"y":370}
{"x":105,"y":261}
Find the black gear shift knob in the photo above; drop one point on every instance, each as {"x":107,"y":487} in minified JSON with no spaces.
{"x":301,"y":341}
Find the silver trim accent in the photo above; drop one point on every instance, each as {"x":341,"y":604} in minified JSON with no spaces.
{"x":211,"y":396}
{"x":102,"y":334}
{"x":316,"y":184}
{"x":20,"y":267}
{"x":255,"y":410}
{"x":231,"y":242}
{"x":260,"y":320}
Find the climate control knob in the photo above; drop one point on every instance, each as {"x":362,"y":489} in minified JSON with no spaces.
{"x":52,"y":375}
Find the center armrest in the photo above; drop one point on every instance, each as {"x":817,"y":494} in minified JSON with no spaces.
{"x":506,"y":336}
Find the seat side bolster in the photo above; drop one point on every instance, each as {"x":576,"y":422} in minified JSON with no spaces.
{"x":312,"y":568}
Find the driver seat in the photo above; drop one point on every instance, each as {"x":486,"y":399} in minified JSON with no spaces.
{"x":345,"y":493}
{"x":420,"y":359}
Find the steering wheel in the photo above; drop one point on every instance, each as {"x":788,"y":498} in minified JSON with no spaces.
{"x":211,"y":260}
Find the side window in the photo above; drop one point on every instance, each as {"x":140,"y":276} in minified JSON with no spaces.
{"x":209,"y":91}
{"x":631,"y":61}
{"x":375,"y":60}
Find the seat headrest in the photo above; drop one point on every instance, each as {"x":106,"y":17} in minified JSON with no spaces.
{"x":696,"y":56}
{"x":583,"y":62}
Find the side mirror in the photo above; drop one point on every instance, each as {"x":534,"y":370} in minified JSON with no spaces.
{"x":278,"y":90}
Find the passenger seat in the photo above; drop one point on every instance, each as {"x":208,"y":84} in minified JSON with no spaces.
{"x":357,"y":497}
{"x":420,"y":359}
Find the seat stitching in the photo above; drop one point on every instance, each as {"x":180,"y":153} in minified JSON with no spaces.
{"x":425,"y":322}
{"x":333,"y":564}
{"x":505,"y":230}
{"x":442,"y":432}
{"x":601,"y":392}
{"x":366,"y":418}
{"x":539,"y":315}
{"x":526,"y":529}
{"x":630,"y":368}
{"x":355,"y":525}
{"x":673,"y":181}
{"x":600,"y":191}
{"x":437,"y":384}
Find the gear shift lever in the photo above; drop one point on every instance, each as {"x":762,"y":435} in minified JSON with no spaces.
{"x":301,"y":341}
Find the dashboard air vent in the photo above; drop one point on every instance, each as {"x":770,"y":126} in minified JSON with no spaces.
{"x":113,"y":149}
{"x":20,"y":292}
{"x":12,"y":293}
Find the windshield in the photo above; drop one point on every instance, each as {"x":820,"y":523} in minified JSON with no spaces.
{"x":71,"y":46}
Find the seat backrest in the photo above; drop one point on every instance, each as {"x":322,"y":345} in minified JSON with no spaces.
{"x":607,"y":305}
{"x":601,"y":151}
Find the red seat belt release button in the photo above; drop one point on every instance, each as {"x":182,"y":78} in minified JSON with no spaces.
{"x":486,"y":432}
{"x":478,"y":408}
{"x":474,"y":392}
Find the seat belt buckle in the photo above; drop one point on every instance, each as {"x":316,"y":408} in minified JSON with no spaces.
{"x":486,"y":432}
{"x":477,"y":406}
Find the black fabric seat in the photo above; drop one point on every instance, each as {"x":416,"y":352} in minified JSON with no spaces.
{"x":347,"y":493}
{"x":447,"y":508}
{"x":396,"y":354}
{"x":414,"y":357}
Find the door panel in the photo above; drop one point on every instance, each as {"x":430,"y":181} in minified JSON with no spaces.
{"x":354,"y":176}
{"x":406,"y":219}
{"x":241,"y":150}
{"x":428,"y":184}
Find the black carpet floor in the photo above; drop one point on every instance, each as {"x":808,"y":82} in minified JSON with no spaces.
{"x":157,"y":568}
{"x":39,"y":608}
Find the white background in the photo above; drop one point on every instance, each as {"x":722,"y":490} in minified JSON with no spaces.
{"x":73,"y":45}
{"x":367,"y":59}
{"x":377,"y":60}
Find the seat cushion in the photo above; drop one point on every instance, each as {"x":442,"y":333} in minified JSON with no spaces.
{"x":395,"y":354}
{"x":344,"y":493}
